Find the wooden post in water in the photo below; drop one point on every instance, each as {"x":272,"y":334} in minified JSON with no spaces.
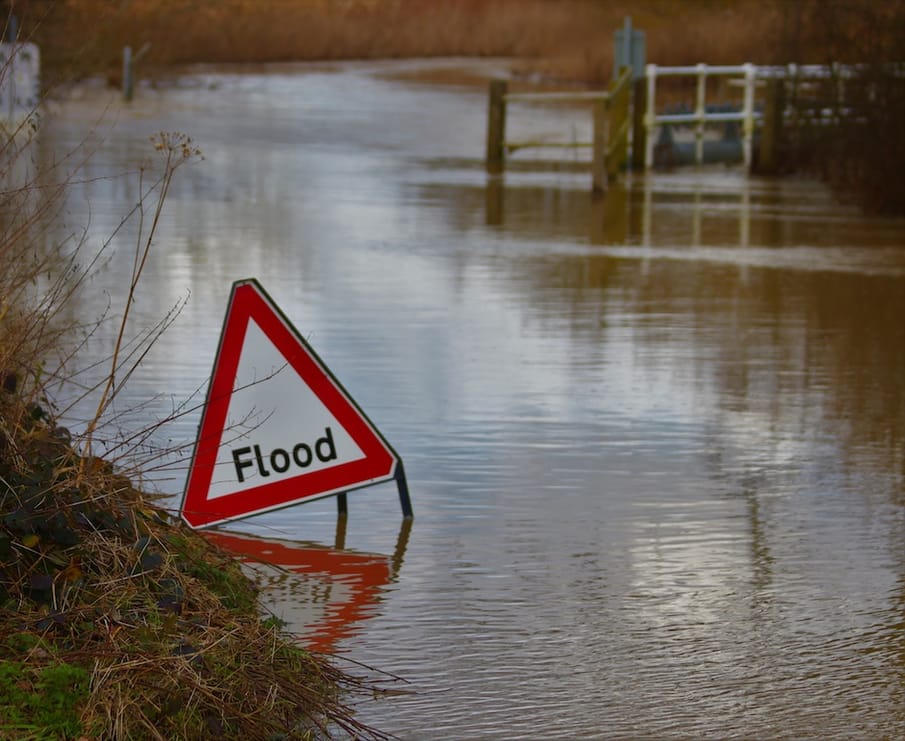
{"x":496,"y":127}
{"x":598,"y":160}
{"x":771,"y":133}
{"x":127,"y":74}
{"x":619,"y":95}
{"x":129,"y":62}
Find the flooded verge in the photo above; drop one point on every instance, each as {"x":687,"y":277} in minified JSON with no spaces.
{"x":655,"y":443}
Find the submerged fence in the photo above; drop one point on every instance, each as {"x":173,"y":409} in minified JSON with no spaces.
{"x":611,"y":125}
{"x":780,"y":108}
{"x":701,"y":116}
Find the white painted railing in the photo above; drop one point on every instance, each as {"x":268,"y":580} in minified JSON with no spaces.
{"x":747,"y":76}
{"x":700,"y":117}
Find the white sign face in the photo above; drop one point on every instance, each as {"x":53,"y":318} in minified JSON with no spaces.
{"x":276,"y":427}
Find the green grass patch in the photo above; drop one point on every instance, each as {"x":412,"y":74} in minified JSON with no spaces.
{"x":41,"y":702}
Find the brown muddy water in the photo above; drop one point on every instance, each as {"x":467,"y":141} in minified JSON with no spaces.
{"x":655,"y":444}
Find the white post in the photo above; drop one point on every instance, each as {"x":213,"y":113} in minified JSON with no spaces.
{"x":650,"y":115}
{"x":700,"y":113}
{"x":748,"y":112}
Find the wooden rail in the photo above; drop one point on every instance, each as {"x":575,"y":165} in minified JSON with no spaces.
{"x":611,"y":125}
{"x":613,"y":122}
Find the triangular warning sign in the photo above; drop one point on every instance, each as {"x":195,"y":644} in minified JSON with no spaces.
{"x":277,"y":428}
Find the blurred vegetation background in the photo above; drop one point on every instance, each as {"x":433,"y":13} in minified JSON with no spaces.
{"x":567,"y":39}
{"x":561,"y":41}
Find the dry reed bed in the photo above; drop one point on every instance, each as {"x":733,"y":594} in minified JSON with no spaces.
{"x":565,"y":39}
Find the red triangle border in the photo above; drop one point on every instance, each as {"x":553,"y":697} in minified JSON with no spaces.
{"x":248,"y":300}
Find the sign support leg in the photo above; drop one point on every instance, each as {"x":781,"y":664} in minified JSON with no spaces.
{"x":342,"y":505}
{"x":404,"y":499}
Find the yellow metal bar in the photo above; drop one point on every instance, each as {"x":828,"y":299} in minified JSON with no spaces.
{"x":540,"y":143}
{"x":557,"y":97}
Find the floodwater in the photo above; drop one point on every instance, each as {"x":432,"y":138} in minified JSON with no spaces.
{"x":655,"y":444}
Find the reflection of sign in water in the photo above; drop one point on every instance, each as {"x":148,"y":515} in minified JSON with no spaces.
{"x":278,"y":428}
{"x":340,"y":588}
{"x":20,"y":88}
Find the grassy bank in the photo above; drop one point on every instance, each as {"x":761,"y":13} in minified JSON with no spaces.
{"x":118,"y":622}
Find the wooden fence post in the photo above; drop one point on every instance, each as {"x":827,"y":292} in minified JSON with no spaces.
{"x":129,"y":62}
{"x":496,"y":127}
{"x":127,"y":74}
{"x":618,"y":122}
{"x":771,"y":133}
